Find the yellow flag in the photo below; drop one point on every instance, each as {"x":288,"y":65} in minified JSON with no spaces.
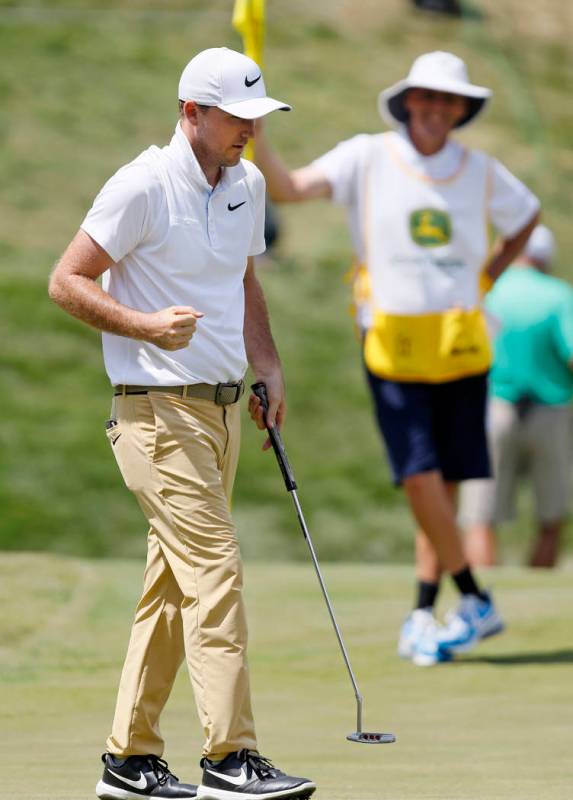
{"x":249,"y":21}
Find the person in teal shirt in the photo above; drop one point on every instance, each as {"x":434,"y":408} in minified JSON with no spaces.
{"x":531,"y":388}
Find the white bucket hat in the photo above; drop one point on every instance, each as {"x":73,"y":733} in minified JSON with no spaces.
{"x":540,"y":245}
{"x":230,"y":81}
{"x":443,"y":72}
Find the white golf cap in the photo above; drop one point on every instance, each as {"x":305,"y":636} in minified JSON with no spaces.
{"x":540,"y":245}
{"x":440,"y":71}
{"x":230,"y":81}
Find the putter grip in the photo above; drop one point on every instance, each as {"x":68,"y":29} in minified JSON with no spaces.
{"x":260,"y":390}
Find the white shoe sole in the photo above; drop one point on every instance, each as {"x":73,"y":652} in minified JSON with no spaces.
{"x":425,"y":661}
{"x":106,"y":792}
{"x":405,"y":651}
{"x":302,"y":791}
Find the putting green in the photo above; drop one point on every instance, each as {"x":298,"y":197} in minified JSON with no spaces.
{"x":496,"y":724}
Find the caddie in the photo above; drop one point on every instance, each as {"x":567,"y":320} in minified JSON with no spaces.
{"x":419,"y":204}
{"x":174,"y":234}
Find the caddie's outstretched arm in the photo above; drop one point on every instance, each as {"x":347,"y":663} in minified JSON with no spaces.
{"x":284,"y":185}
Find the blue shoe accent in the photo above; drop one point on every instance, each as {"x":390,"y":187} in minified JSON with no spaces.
{"x":474,"y":619}
{"x":429,"y":652}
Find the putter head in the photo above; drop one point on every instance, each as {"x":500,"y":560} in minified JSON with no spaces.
{"x":371,"y":738}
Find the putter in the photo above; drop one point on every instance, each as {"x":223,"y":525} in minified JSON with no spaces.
{"x":259,"y":389}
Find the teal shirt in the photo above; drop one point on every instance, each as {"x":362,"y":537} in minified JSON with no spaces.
{"x":535,"y":343}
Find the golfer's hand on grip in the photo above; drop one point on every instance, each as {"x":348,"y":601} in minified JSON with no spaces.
{"x":171,"y":328}
{"x":274,"y":414}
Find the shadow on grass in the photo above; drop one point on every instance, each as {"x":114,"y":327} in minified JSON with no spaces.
{"x":513,"y":659}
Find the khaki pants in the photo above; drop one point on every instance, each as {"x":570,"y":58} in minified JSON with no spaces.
{"x":179,"y":457}
{"x":537,"y":444}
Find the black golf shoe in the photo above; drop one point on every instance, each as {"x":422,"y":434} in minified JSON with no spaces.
{"x":135,"y":777}
{"x":248,"y":776}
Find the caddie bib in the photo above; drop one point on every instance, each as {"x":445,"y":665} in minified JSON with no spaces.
{"x":426,"y":241}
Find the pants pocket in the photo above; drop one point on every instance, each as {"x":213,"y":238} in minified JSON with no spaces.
{"x":112,"y":431}
{"x":129,"y":442}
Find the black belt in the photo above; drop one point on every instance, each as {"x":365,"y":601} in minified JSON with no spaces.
{"x":223,"y":394}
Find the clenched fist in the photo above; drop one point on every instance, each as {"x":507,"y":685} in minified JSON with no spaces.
{"x":171,"y":328}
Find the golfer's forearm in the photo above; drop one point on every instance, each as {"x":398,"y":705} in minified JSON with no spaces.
{"x":84,"y":299}
{"x":261,"y":352}
{"x":509,"y":249}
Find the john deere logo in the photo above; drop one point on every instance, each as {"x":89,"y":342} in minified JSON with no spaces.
{"x":430,"y":227}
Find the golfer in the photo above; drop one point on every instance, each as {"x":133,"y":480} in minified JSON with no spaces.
{"x":419,"y":204}
{"x":529,"y":409}
{"x":173,"y":234}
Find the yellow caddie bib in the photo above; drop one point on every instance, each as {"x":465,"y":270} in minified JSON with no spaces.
{"x":432,"y":348}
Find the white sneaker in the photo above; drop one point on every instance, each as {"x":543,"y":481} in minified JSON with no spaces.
{"x":473,"y":620}
{"x":427,"y":650}
{"x":417,"y":624}
{"x":419,"y":639}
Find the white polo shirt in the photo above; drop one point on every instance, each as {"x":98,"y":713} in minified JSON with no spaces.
{"x":177,"y":241}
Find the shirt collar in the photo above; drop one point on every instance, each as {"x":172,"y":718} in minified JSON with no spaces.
{"x":187,"y":160}
{"x":450,"y":148}
{"x":440,"y":166}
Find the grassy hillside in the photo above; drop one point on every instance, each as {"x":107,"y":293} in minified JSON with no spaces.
{"x":84,"y":88}
{"x":493,"y":726}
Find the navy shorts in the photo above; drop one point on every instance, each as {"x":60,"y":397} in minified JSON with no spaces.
{"x":433,"y":426}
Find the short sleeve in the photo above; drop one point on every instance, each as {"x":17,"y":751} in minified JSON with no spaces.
{"x":120,"y":215}
{"x":258,"y":244}
{"x":511,"y":204}
{"x":342,"y":167}
{"x":563,"y":329}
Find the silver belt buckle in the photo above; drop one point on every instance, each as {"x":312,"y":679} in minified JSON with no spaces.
{"x":227,"y":393}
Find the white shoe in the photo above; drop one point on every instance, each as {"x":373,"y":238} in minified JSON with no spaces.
{"x":417,"y":625}
{"x":428,"y":652}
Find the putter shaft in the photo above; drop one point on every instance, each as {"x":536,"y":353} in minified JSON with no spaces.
{"x":260,"y":391}
{"x":308,"y":540}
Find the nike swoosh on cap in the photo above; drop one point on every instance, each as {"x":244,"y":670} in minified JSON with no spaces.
{"x":141,"y":783}
{"x":233,"y":208}
{"x":249,"y":83}
{"x":238,"y":780}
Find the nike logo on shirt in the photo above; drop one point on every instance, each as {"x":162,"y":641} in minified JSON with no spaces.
{"x":233,"y":208}
{"x":141,"y":783}
{"x":249,"y":83}
{"x":237,"y":780}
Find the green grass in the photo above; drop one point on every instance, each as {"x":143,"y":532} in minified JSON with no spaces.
{"x":493,"y":726}
{"x":82,"y":91}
